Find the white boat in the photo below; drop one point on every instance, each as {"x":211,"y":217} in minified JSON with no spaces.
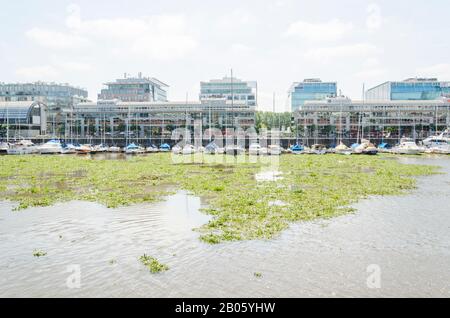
{"x":100,"y":148}
{"x":84,"y":149}
{"x":133,"y":149}
{"x":114,"y":149}
{"x":69,"y":149}
{"x":366,"y":148}
{"x":4,"y":146}
{"x":188,"y":150}
{"x":50,"y":147}
{"x":439,"y":147}
{"x":151,"y":149}
{"x":317,"y":149}
{"x":407,"y":146}
{"x":177,"y":150}
{"x":23,"y":147}
{"x":254,"y":149}
{"x":211,"y":149}
{"x":275,"y":150}
{"x":233,"y":150}
{"x":445,"y":136}
{"x":342,"y":149}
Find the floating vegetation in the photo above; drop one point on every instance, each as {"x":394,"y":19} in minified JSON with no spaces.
{"x":242,"y":207}
{"x":153,"y":264}
{"x":38,"y":253}
{"x":257,"y":275}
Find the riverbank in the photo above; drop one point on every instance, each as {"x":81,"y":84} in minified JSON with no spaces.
{"x":242,"y":206}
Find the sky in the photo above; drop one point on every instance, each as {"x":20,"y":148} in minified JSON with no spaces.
{"x":182,"y":42}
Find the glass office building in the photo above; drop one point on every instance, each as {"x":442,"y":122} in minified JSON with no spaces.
{"x":135,"y":89}
{"x":55,"y":96}
{"x":310,"y":90}
{"x":230,"y":89}
{"x":410,"y":89}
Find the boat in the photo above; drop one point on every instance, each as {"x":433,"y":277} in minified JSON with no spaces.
{"x":151,"y":149}
{"x":99,"y":148}
{"x":50,"y":147}
{"x":407,"y":146}
{"x":384,"y":147}
{"x":188,"y":150}
{"x":440,"y":147}
{"x":133,"y":149}
{"x":177,"y":150}
{"x":69,"y":149}
{"x":318,"y":149}
{"x":365,"y":148}
{"x":297,"y":149}
{"x":84,"y":149}
{"x":254,"y":149}
{"x":23,"y":147}
{"x":4,"y":146}
{"x":275,"y":150}
{"x":444,"y":136}
{"x":114,"y":149}
{"x":233,"y":150}
{"x":211,"y":148}
{"x":342,"y":149}
{"x":164,"y":148}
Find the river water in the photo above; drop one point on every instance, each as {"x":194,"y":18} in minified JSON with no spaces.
{"x":402,"y":244}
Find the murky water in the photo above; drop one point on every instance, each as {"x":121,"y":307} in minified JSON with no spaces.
{"x":406,"y":237}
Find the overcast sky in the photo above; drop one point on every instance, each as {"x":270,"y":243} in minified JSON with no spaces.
{"x":182,"y":42}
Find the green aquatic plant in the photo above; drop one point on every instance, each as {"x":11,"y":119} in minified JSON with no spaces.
{"x":242,"y":208}
{"x":257,"y":275}
{"x":153,"y":264}
{"x":38,"y":253}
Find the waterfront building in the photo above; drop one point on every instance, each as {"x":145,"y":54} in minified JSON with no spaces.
{"x":55,"y":96}
{"x":145,"y":120}
{"x":230,"y":89}
{"x":309,"y":90}
{"x":135,"y":89}
{"x":341,"y":118}
{"x":22,"y":119}
{"x":410,"y":89}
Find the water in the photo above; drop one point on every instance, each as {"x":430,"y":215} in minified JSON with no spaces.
{"x":407,"y":237}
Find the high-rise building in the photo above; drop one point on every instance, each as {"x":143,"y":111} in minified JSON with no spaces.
{"x":135,"y":89}
{"x":310,"y":90}
{"x":410,"y":89}
{"x":55,"y":96}
{"x":230,"y":89}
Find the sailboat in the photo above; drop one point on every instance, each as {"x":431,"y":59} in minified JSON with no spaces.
{"x":133,"y":149}
{"x":23,"y":147}
{"x":342,"y":149}
{"x":366,"y":148}
{"x":407,"y":146}
{"x":4,"y":147}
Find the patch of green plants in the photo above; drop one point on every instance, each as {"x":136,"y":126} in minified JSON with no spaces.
{"x":153,"y":264}
{"x":241,"y":207}
{"x":38,"y":253}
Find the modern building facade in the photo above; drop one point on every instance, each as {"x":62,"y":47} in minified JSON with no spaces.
{"x":150,"y":119}
{"x":24,"y":119}
{"x":336,"y":118}
{"x":230,"y":89}
{"x":135,"y":89}
{"x":410,"y":89}
{"x":310,"y":90}
{"x":55,"y":96}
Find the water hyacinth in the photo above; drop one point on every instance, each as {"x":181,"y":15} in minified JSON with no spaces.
{"x":308,"y":187}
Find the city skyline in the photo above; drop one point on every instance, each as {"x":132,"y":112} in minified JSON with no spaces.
{"x":274,"y":42}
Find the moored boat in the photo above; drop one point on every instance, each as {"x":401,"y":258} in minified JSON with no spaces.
{"x":407,"y":146}
{"x":50,"y":147}
{"x":342,"y":149}
{"x":133,"y":149}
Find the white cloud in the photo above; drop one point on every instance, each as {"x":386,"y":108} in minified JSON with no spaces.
{"x":47,"y":72}
{"x":374,"y":19}
{"x":154,"y":37}
{"x":56,"y":40}
{"x":329,"y":31}
{"x":326,"y":54}
{"x":441,"y":71}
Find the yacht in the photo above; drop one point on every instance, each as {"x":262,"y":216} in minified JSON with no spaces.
{"x":114,"y":149}
{"x":188,"y":150}
{"x":99,"y":148}
{"x":177,"y":150}
{"x":4,"y":147}
{"x":50,"y":147}
{"x":133,"y":149}
{"x":445,"y":136}
{"x":23,"y":147}
{"x":366,"y":148}
{"x":342,"y":149}
{"x":84,"y":149}
{"x":407,"y":146}
{"x":275,"y":150}
{"x":440,"y":147}
{"x":254,"y":150}
{"x":69,"y":149}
